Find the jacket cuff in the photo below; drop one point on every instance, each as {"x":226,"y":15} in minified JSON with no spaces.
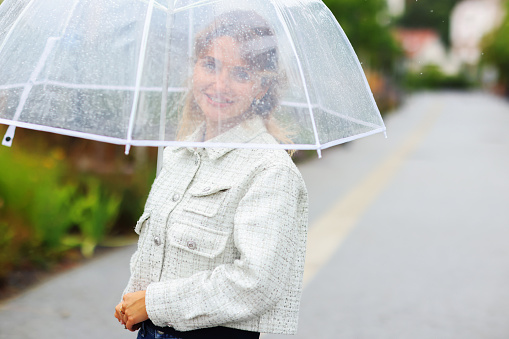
{"x":157,"y":306}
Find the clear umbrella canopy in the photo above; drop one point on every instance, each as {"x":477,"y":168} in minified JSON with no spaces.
{"x":185,"y":72}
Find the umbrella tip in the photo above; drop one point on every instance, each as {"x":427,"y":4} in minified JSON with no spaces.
{"x":127,"y":149}
{"x":319,"y":151}
{"x":9,"y":135}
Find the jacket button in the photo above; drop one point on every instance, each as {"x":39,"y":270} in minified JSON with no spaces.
{"x":157,"y":241}
{"x":191,"y":245}
{"x":175,"y":197}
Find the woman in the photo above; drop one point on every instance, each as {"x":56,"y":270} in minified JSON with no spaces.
{"x":222,"y":237}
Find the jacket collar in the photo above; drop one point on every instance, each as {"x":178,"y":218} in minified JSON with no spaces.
{"x":244,"y":132}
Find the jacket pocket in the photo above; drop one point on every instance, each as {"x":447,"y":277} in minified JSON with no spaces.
{"x":206,"y":199}
{"x":198,"y":240}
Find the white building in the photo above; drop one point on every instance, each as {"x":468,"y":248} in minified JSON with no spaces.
{"x":424,"y":47}
{"x":396,"y":7}
{"x":470,"y":21}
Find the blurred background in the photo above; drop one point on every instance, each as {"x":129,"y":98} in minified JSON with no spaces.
{"x":65,"y":200}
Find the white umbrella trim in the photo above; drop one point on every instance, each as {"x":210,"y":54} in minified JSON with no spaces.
{"x":157,"y":143}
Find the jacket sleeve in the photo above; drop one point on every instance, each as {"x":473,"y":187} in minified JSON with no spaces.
{"x":130,"y":286}
{"x":264,"y":222}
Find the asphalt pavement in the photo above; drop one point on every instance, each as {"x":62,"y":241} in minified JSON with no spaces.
{"x":408,"y":238}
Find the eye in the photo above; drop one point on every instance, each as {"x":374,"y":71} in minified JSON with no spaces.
{"x":209,"y":65}
{"x":241,"y":75}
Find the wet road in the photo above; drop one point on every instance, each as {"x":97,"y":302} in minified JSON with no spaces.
{"x":409,"y":238}
{"x":424,"y":246}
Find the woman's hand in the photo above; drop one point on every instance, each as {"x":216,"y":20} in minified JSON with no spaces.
{"x":132,"y":310}
{"x":119,"y":314}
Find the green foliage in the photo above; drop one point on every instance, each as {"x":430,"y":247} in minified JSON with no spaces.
{"x":431,"y":77}
{"x":33,"y":209}
{"x":46,"y":209}
{"x":7,"y":248}
{"x":31,"y":186}
{"x":429,"y":14}
{"x":367,"y":25}
{"x":94,"y":212}
{"x":496,"y":48}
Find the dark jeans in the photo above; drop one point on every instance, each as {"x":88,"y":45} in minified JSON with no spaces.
{"x":149,"y":331}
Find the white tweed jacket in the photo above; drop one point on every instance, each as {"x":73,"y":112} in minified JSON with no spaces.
{"x":222,"y":238}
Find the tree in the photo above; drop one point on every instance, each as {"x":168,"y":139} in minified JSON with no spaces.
{"x":367,"y":25}
{"x":429,"y":14}
{"x":495,"y":48}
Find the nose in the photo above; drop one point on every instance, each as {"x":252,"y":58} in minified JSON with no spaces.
{"x":222,"y":80}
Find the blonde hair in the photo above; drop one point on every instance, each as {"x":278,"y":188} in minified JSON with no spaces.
{"x":253,"y":32}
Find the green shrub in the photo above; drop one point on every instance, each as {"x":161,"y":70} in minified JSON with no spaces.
{"x":46,"y":209}
{"x":32,"y":187}
{"x":431,"y":77}
{"x":94,"y":212}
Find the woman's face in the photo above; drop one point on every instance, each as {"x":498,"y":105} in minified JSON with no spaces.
{"x":224,"y":85}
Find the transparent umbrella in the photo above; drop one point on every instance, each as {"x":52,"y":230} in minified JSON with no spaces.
{"x":183,"y":72}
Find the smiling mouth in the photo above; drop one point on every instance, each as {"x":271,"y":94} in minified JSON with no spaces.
{"x":218,"y":100}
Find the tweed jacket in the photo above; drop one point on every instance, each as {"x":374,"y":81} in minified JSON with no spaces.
{"x":222,"y":238}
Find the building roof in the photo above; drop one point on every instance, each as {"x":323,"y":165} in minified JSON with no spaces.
{"x":414,"y":41}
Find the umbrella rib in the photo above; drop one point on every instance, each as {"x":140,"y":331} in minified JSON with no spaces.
{"x":27,"y":88}
{"x":12,"y":86}
{"x":16,"y":22}
{"x":312,"y":80}
{"x":319,"y":106}
{"x":164,"y":93}
{"x":156,"y":5}
{"x":66,"y":25}
{"x":50,"y":43}
{"x":301,"y":71}
{"x":99,"y":87}
{"x":195,"y":5}
{"x":139,"y":73}
{"x":346,"y":117}
{"x":359,"y":66}
{"x":96,"y":87}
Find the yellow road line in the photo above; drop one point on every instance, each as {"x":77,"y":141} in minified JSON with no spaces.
{"x":328,"y":232}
